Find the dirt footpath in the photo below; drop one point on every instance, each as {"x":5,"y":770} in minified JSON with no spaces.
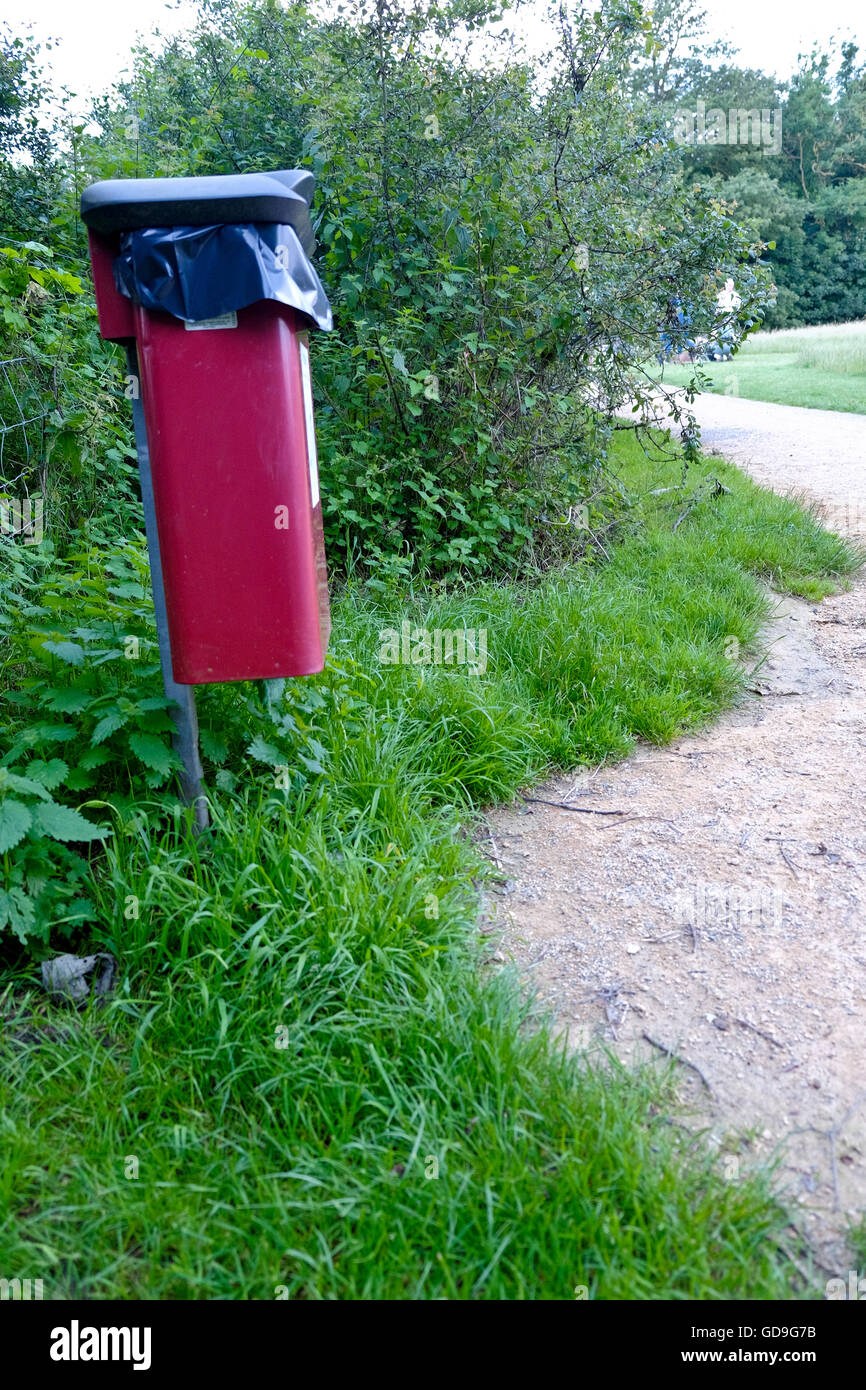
{"x":722,"y":917}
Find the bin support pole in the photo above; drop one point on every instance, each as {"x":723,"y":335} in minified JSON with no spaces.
{"x":185,"y":739}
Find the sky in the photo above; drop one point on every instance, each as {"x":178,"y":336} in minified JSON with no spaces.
{"x":771,"y":33}
{"x":95,"y":35}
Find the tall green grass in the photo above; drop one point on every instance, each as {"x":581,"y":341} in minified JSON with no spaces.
{"x":305,"y":1085}
{"x":833,"y":347}
{"x":820,"y":368}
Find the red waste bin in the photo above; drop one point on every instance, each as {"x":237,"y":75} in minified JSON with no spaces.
{"x":229,"y":414}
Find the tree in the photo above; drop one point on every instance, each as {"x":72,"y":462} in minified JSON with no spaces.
{"x":501,"y":243}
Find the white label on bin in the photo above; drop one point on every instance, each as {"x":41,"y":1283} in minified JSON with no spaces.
{"x":312,"y":459}
{"x":221,"y":321}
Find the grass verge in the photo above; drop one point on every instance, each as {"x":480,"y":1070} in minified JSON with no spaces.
{"x":304,"y":1087}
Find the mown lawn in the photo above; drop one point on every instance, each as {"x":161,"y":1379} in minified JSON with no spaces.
{"x":304,"y":1086}
{"x":822,"y":368}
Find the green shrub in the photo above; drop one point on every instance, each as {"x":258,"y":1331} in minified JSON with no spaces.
{"x":500,"y":244}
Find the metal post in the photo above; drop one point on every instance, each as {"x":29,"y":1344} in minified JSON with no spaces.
{"x":185,"y":739}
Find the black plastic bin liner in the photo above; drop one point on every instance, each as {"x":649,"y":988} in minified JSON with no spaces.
{"x":203,"y":272}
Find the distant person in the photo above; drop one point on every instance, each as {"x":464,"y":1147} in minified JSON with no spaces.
{"x":727,"y":299}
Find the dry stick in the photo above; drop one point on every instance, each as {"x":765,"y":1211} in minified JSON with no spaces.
{"x":585,"y":810}
{"x":781,"y":845}
{"x":684,"y":1061}
{"x":614,"y":825}
{"x":761,"y":1034}
{"x":487,"y":835}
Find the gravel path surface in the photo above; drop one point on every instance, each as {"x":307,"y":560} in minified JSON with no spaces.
{"x":724,"y":920}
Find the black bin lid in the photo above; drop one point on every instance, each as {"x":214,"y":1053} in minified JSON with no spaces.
{"x":121,"y":205}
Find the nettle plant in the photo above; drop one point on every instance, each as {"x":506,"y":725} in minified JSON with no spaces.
{"x":87,"y":729}
{"x":86,"y":715}
{"x":42,"y":877}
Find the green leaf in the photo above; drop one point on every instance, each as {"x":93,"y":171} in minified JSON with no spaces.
{"x":15,"y":820}
{"x":154,"y":752}
{"x":95,"y":757}
{"x":64,"y":823}
{"x":153,"y":779}
{"x":130,"y":589}
{"x":265,"y":752}
{"x":108,"y":724}
{"x":80,"y":910}
{"x":69,"y":701}
{"x":36,"y":734}
{"x":17,"y":911}
{"x":310,"y":764}
{"x":213,"y":746}
{"x":49,"y":774}
{"x":25,"y":785}
{"x":65,"y":651}
{"x":156,"y":722}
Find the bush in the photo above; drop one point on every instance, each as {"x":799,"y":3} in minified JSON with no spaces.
{"x":500,"y":242}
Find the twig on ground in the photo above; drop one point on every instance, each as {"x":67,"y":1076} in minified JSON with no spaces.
{"x":486,"y":834}
{"x":684,"y":1061}
{"x":780,"y":842}
{"x":614,"y":824}
{"x":761,"y":1034}
{"x":586,"y":810}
